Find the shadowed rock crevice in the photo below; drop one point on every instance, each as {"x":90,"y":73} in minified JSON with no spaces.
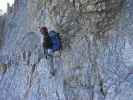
{"x":2,"y":27}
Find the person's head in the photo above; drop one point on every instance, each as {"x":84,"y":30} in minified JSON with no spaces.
{"x":44,"y":30}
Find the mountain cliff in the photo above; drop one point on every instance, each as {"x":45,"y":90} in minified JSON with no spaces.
{"x":96,"y":61}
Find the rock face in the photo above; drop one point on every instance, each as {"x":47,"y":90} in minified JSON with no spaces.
{"x":94,"y":64}
{"x":2,"y":25}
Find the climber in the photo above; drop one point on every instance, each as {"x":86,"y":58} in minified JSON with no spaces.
{"x":51,"y":41}
{"x":47,"y":44}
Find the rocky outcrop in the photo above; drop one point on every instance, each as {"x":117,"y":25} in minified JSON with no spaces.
{"x":94,"y":64}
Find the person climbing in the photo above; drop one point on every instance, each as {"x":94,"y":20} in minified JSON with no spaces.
{"x":47,"y":44}
{"x":51,"y":43}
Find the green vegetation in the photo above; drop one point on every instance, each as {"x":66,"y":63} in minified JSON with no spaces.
{"x":3,"y":68}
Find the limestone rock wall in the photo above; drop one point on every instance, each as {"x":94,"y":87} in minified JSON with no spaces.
{"x":94,"y":64}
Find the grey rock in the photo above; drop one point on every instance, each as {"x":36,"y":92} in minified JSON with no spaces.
{"x":94,"y":64}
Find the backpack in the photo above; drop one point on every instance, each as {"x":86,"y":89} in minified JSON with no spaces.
{"x":56,"y":41}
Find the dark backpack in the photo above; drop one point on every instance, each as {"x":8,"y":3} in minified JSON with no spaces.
{"x":56,"y":40}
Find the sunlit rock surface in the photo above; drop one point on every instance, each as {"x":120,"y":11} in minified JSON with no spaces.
{"x":96,"y":62}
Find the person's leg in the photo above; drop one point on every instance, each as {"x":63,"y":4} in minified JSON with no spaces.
{"x":52,"y":66}
{"x":51,"y":59}
{"x":46,"y":53}
{"x":50,"y":52}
